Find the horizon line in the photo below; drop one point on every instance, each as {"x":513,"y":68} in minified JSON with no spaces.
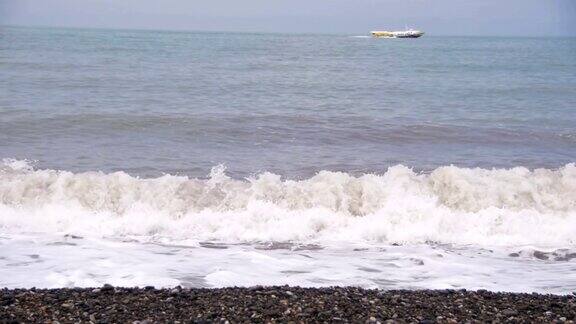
{"x":182,"y":30}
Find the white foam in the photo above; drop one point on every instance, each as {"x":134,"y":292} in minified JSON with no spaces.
{"x":506,"y":207}
{"x":54,"y":261}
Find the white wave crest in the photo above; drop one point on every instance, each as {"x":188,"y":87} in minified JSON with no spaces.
{"x":450,"y":205}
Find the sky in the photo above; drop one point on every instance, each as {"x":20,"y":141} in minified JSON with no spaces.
{"x":436,"y":17}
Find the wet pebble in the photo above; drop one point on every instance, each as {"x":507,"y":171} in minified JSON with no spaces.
{"x":279,"y":304}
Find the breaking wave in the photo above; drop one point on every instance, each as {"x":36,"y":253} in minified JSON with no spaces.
{"x":505,"y":207}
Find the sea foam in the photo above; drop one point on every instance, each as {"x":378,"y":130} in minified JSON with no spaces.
{"x":452,"y":205}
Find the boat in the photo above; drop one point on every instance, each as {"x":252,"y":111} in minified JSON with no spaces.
{"x":408,"y":33}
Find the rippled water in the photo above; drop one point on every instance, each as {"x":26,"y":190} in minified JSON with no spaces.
{"x":155,"y":102}
{"x":217,"y":159}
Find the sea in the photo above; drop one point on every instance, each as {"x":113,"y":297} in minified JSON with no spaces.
{"x":216,"y":159}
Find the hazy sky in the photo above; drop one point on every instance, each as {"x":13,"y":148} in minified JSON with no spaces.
{"x":441,"y":17}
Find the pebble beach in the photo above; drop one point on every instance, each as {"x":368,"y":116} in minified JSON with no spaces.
{"x":283,"y":304}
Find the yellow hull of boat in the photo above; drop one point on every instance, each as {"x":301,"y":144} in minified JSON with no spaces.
{"x":382,"y":34}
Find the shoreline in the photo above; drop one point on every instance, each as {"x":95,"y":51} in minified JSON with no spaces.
{"x":110,"y":304}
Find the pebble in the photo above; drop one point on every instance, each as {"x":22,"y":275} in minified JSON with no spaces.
{"x":107,"y":287}
{"x":510,"y":312}
{"x":256,"y":304}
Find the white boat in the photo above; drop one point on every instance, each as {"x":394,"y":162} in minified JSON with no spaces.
{"x":408,"y":33}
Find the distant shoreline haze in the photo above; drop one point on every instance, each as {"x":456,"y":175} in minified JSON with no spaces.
{"x":532,"y":18}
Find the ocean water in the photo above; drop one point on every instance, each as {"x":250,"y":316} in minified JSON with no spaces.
{"x":224,"y":159}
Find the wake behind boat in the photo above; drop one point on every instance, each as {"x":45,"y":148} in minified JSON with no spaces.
{"x":408,"y":33}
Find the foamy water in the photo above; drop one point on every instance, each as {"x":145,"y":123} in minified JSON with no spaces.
{"x":450,"y":205}
{"x":453,"y":227}
{"x":66,"y":261}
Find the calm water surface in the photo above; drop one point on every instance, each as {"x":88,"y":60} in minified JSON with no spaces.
{"x":177,"y":102}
